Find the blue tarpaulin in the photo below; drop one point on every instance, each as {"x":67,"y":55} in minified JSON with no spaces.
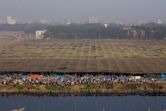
{"x":163,"y":76}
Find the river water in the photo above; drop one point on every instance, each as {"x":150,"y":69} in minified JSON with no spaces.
{"x":80,"y":103}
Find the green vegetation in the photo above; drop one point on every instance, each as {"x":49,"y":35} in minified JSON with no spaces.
{"x":113,"y":31}
{"x":84,"y":31}
{"x":19,"y":88}
{"x":79,"y":89}
{"x":27,"y":28}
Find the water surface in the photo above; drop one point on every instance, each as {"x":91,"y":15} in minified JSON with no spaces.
{"x":79,"y":103}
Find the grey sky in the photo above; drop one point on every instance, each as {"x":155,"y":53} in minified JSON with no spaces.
{"x":115,"y":10}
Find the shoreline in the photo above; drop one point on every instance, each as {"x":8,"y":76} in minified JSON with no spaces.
{"x":117,"y":89}
{"x":82,"y":94}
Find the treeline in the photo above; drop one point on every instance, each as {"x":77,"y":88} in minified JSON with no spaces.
{"x":147,"y":31}
{"x":27,"y":28}
{"x":85,"y":31}
{"x":114,"y":31}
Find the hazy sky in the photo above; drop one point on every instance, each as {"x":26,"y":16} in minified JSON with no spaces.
{"x":115,"y":10}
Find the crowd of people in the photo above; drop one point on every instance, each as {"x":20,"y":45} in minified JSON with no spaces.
{"x":62,"y":80}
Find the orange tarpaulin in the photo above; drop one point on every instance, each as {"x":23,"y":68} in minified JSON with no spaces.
{"x":35,"y":76}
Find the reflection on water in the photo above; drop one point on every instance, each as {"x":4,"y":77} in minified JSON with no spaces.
{"x":103,"y":103}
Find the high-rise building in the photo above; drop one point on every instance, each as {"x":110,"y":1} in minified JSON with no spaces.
{"x":92,"y":19}
{"x":105,"y":25}
{"x":158,"y":21}
{"x":10,"y":21}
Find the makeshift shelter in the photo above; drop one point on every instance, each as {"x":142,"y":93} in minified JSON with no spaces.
{"x":36,"y":76}
{"x":163,"y":76}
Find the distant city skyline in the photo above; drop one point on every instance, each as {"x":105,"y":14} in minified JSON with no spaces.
{"x":126,"y":11}
{"x":92,"y":19}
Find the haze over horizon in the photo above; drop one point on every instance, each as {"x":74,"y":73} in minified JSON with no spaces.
{"x":114,"y":10}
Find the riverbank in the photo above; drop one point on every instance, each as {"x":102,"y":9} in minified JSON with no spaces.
{"x":86,"y":90}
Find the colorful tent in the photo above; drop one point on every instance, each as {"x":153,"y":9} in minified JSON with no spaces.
{"x":36,"y":76}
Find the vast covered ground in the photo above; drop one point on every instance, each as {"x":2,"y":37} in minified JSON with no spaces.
{"x":83,"y":55}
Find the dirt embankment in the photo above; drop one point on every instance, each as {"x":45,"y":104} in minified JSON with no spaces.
{"x":97,"y":89}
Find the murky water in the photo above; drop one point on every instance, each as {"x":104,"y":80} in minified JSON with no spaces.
{"x":79,"y":103}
